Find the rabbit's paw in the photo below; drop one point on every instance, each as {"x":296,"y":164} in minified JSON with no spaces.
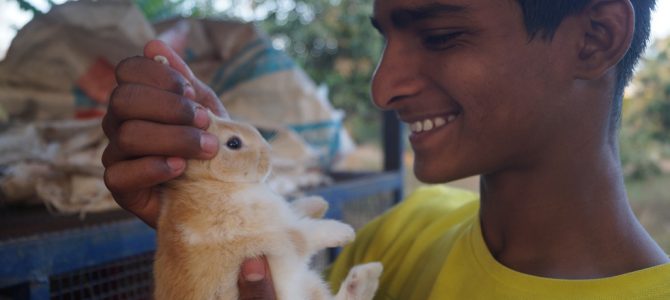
{"x":361,"y":283}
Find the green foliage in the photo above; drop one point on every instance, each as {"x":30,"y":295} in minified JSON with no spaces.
{"x":29,"y":7}
{"x":330,"y":39}
{"x":156,"y":10}
{"x":645,"y":133}
{"x":335,"y":44}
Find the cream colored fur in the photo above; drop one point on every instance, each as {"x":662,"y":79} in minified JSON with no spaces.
{"x":221,"y":212}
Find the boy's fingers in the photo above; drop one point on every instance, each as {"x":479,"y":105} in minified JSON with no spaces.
{"x":139,"y":138}
{"x":133,"y":182}
{"x":209,"y":99}
{"x":157,"y":47}
{"x":128,"y":176}
{"x":143,"y":71}
{"x":139,"y":102}
{"x":145,"y":204}
{"x":109,"y":124}
{"x":203,"y":94}
{"x":255,"y":280}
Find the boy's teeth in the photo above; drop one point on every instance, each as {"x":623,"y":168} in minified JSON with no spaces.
{"x":430,"y":124}
{"x":417,"y":126}
{"x":439,"y":122}
{"x":427,"y":125}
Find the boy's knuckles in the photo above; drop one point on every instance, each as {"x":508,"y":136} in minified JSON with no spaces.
{"x":167,"y":140}
{"x":112,"y":182}
{"x":108,"y":125}
{"x":166,"y":78}
{"x":128,"y":137}
{"x":127,"y":67}
{"x":183,"y":111}
{"x":109,"y":156}
{"x":121,"y":100}
{"x":177,"y":82}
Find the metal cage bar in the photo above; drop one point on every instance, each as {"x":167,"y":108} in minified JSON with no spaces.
{"x":76,"y":263}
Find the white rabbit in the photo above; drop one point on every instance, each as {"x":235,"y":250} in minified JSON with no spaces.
{"x":220,"y":212}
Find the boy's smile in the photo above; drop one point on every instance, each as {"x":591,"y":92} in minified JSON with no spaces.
{"x":477,"y":94}
{"x":530,"y":113}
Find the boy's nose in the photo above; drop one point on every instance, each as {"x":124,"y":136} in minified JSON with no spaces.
{"x":397,"y":77}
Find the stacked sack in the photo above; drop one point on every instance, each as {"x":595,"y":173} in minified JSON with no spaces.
{"x":59,"y":71}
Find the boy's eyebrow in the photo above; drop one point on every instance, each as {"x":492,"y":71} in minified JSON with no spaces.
{"x":403,"y":17}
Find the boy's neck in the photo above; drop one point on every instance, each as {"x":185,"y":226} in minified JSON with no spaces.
{"x":566,"y":217}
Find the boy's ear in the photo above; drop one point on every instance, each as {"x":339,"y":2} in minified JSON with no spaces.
{"x":608,"y":31}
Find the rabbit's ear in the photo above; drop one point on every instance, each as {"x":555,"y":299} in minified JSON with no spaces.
{"x":214,"y":122}
{"x":213,"y":116}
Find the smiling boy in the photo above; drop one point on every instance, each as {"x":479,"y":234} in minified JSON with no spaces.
{"x":525,"y":93}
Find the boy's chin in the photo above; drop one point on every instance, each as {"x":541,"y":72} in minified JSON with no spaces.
{"x":426,"y":174}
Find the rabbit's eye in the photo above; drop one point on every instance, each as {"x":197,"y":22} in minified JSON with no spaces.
{"x":234,"y":143}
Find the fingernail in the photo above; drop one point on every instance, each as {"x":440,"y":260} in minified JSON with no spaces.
{"x":253,"y":270}
{"x":201,"y":117}
{"x":176,"y":164}
{"x":209,"y":143}
{"x":189,"y":91}
{"x":162,"y":59}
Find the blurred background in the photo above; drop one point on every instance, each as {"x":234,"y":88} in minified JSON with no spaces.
{"x":334,"y":43}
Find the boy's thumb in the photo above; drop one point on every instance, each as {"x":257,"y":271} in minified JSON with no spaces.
{"x":157,"y":47}
{"x":255,"y":280}
{"x":200,"y":93}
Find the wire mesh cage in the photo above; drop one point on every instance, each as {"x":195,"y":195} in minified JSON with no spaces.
{"x":129,"y":278}
{"x":355,"y":213}
{"x":363,"y":210}
{"x":112,"y":256}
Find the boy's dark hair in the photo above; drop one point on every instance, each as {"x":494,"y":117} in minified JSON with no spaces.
{"x":543,"y":17}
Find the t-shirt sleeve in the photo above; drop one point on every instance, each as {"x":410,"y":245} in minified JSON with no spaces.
{"x":390,"y":236}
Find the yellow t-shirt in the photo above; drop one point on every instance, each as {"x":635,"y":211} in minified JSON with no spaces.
{"x":432,"y":248}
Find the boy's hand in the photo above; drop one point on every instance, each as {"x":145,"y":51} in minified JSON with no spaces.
{"x":255,"y":282}
{"x":155,"y":120}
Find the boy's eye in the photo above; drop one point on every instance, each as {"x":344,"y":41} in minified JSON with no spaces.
{"x":234,"y":143}
{"x":439,"y":41}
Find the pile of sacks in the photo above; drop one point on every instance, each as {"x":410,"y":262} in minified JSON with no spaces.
{"x":57,"y":163}
{"x":59,"y":72}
